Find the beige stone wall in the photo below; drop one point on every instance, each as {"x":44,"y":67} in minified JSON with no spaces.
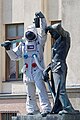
{"x":68,"y":12}
{"x":74,"y":97}
{"x":2,"y":50}
{"x":17,"y":103}
{"x":8,"y":105}
{"x":14,"y":87}
{"x":54,"y":10}
{"x":30,"y":7}
{"x":13,"y":11}
{"x":0,"y":41}
{"x":71,"y":22}
{"x":22,"y":11}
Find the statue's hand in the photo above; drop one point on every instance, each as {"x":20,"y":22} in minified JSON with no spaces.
{"x":45,"y":76}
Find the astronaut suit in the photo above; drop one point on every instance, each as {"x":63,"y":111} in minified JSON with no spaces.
{"x":33,"y":45}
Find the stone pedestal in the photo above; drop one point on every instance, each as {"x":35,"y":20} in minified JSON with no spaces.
{"x":73,"y":116}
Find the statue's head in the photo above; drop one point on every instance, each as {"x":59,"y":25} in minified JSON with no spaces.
{"x":53,"y":30}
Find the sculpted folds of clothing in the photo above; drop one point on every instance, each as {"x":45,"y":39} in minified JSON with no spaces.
{"x":60,"y":48}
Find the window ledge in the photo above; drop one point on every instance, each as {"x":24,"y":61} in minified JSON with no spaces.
{"x":20,"y":80}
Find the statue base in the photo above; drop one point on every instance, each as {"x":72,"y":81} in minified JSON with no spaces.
{"x":68,"y":116}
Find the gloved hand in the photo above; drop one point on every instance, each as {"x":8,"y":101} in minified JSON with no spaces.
{"x":45,"y":76}
{"x":48,"y":29}
{"x":6,"y":44}
{"x":39,"y":14}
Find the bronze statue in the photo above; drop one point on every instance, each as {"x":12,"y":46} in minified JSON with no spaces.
{"x":58,"y":68}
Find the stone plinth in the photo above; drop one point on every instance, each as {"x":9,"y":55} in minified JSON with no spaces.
{"x":73,"y":116}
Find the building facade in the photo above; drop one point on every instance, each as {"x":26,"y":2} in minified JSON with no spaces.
{"x":15,"y":16}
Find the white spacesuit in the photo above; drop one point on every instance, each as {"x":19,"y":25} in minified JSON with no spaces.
{"x":33,"y":45}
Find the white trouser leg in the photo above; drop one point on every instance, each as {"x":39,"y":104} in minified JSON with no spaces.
{"x":43,"y":96}
{"x":31,"y":104}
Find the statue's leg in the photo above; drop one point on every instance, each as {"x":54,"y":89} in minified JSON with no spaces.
{"x":62,"y":91}
{"x":56,"y":84}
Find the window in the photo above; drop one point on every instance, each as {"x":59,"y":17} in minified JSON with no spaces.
{"x":7,"y":116}
{"x":13,"y":68}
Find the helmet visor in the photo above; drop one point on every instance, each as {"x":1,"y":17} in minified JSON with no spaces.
{"x":30,"y":35}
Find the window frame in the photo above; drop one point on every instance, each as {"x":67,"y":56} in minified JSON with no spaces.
{"x":8,"y":115}
{"x":7,"y":59}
